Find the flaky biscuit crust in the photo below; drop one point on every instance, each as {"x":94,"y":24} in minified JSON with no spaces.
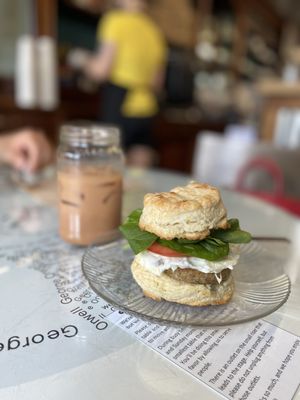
{"x":187,"y":212}
{"x":164,"y":287}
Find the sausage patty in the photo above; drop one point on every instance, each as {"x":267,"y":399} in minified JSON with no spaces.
{"x":190,"y":275}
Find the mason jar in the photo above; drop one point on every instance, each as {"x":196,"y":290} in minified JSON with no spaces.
{"x":90,"y":171}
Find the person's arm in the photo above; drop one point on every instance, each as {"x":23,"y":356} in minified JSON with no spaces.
{"x":4,"y":144}
{"x":160,"y":73}
{"x":99,"y":66}
{"x":158,"y":81}
{"x":26,"y":149}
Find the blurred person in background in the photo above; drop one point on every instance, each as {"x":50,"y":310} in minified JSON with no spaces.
{"x":27,"y":149}
{"x":131,"y":60}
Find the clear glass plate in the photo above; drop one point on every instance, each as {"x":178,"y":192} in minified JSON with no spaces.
{"x":261,"y":286}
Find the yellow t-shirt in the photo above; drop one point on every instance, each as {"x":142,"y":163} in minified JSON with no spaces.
{"x":141,"y":53}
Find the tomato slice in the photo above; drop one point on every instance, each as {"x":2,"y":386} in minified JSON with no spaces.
{"x":164,"y":251}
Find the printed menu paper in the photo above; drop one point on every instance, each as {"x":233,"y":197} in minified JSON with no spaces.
{"x":255,"y":361}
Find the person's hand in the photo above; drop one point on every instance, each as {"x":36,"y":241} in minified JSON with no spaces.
{"x":77,"y":58}
{"x":28,"y":149}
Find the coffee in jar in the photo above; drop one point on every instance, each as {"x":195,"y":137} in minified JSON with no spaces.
{"x":90,"y":167}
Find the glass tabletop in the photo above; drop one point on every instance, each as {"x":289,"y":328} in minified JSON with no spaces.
{"x":56,"y":333}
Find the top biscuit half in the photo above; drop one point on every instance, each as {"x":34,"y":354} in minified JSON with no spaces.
{"x":187,"y":212}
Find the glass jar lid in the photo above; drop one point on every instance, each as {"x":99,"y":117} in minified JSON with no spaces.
{"x":85,"y":134}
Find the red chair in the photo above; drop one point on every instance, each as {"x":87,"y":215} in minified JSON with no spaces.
{"x":277,"y":197}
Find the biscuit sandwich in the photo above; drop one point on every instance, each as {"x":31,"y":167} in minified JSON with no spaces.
{"x":185,"y":247}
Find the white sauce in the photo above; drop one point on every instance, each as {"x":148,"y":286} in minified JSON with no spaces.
{"x":157,"y":263}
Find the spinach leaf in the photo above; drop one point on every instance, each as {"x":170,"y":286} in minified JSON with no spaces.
{"x":138,"y":240}
{"x":134,"y":217}
{"x":232,"y":235}
{"x":209,"y":249}
{"x":187,"y":241}
{"x":234,"y":224}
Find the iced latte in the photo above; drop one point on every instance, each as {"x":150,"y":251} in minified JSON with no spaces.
{"x":90,"y":200}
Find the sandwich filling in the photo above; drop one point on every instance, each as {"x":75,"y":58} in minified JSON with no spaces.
{"x":158,"y":264}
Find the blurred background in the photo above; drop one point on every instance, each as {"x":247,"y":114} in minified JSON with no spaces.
{"x":231,"y":93}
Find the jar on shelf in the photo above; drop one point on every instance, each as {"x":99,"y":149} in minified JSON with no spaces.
{"x":90,"y":174}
